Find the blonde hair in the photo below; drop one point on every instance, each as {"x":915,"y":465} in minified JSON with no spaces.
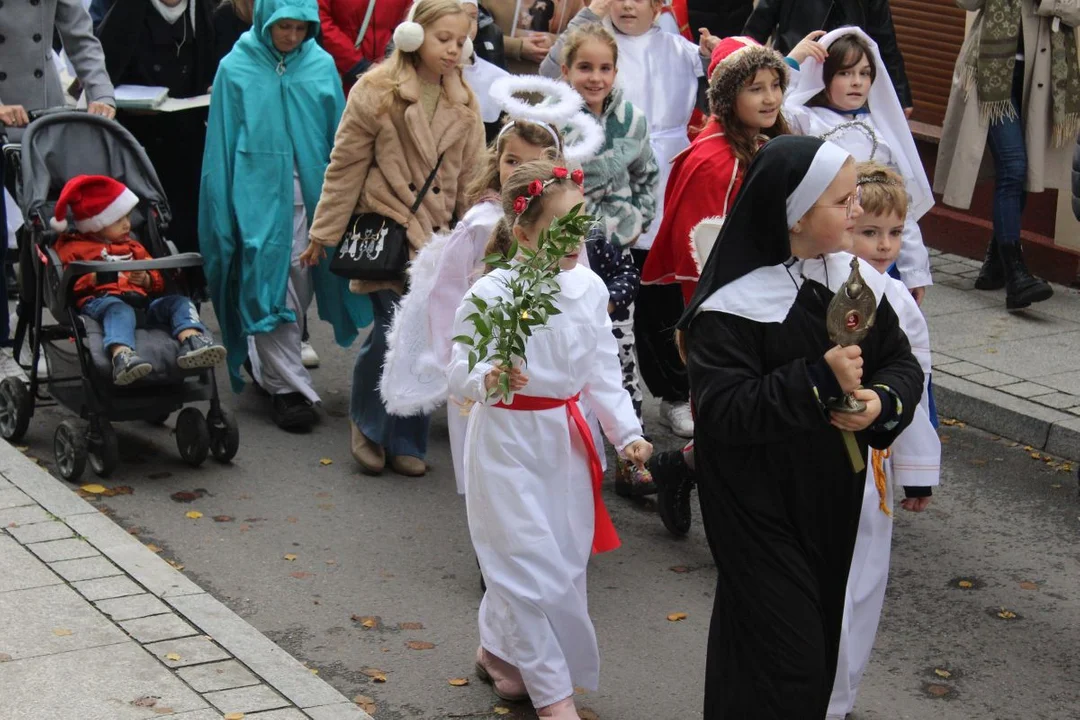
{"x":487,"y":179}
{"x":882,"y":190}
{"x":592,"y":31}
{"x":517,"y":185}
{"x":386,"y":77}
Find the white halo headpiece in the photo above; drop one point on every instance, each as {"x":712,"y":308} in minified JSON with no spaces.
{"x":565,"y":101}
{"x":590,"y":138}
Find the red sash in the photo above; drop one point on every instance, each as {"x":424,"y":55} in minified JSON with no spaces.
{"x":604,"y":536}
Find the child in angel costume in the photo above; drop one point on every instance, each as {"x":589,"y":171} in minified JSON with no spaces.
{"x":532,"y":471}
{"x":846,"y":98}
{"x":912,"y":462}
{"x":779,"y":476}
{"x":419,"y":342}
{"x":663,"y":73}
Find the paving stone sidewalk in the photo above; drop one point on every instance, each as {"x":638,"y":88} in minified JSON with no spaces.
{"x":95,"y":626}
{"x":1013,"y":374}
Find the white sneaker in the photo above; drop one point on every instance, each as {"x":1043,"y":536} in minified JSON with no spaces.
{"x":308,"y":356}
{"x":677,"y":416}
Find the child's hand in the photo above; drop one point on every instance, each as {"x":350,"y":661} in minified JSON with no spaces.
{"x":600,"y":7}
{"x":918,"y":293}
{"x":638,"y":452}
{"x":518,"y":379}
{"x":916,"y":504}
{"x":314,"y":255}
{"x":859,"y":421}
{"x":846,"y":364}
{"x":809,"y":47}
{"x":708,"y":42}
{"x":139,"y":278}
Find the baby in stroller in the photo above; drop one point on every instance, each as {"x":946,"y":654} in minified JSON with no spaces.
{"x":102,"y":207}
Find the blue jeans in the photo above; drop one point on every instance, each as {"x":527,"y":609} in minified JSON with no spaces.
{"x":172,"y":312}
{"x":1006,"y":142}
{"x":398,"y":435}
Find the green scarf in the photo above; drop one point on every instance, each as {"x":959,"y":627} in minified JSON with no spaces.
{"x":991,"y":59}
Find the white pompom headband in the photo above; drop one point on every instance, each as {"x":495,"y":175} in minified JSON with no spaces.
{"x":561,"y":106}
{"x":409,"y":36}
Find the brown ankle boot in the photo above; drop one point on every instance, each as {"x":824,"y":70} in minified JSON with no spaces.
{"x":369,"y":456}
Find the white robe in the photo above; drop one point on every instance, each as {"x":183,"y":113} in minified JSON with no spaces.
{"x":528,"y":487}
{"x":915,"y":460}
{"x":672,"y":64}
{"x":479,"y":74}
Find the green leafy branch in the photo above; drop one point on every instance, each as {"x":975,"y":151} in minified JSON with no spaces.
{"x":502,"y":326}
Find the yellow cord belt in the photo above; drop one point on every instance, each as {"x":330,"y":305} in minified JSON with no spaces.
{"x":877,"y":460}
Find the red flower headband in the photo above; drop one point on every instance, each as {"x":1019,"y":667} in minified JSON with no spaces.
{"x":537,"y":187}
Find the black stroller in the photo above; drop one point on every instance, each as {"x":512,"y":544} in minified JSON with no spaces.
{"x":55,"y":148}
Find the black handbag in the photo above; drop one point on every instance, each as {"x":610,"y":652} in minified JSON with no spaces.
{"x":374,"y":247}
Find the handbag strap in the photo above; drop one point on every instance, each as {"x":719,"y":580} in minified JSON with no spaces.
{"x":427,"y":184}
{"x":367,"y":21}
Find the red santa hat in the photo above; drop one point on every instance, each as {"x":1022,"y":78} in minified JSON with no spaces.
{"x":734,"y":61}
{"x":728,"y":47}
{"x":96,"y":202}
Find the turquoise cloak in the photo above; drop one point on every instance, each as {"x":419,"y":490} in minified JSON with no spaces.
{"x":269,"y":114}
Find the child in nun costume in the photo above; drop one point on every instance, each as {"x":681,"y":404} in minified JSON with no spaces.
{"x":779,"y":494}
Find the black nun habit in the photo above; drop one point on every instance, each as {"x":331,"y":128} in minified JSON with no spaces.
{"x":779,"y":499}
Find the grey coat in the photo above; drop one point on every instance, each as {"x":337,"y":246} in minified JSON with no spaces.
{"x":27,"y":74}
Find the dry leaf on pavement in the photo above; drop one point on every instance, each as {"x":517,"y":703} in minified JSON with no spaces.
{"x":61,"y":632}
{"x":223,"y":518}
{"x":145,"y":701}
{"x":175,"y":657}
{"x":676,"y":616}
{"x":587,"y":714}
{"x":367,"y":704}
{"x":178,"y":566}
{"x":410,"y":626}
{"x":234,"y":716}
{"x":314,"y":671}
{"x":419,"y":645}
{"x":93,"y":488}
{"x":290,"y":556}
{"x":326,"y":461}
{"x":942,"y":673}
{"x":193,"y":514}
{"x":375,"y":674}
{"x":500,"y":710}
{"x":965,"y":584}
{"x":301,"y":575}
{"x":368,"y":623}
{"x":153,"y":548}
{"x":459,"y":682}
{"x":1006,"y":614}
{"x":1028,"y":585}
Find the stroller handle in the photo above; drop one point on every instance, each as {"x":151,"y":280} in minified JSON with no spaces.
{"x":77,"y":269}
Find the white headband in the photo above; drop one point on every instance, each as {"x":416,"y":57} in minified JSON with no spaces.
{"x":826,"y":164}
{"x":547,"y":128}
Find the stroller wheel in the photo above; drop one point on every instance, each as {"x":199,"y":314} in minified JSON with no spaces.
{"x":103,"y":450}
{"x":69,"y":448}
{"x":224,"y":435}
{"x":192,"y":436}
{"x":16,"y":407}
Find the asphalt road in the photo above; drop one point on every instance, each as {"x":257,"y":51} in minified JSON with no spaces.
{"x":396,"y":552}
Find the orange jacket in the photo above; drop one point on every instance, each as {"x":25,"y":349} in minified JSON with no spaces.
{"x":75,"y":247}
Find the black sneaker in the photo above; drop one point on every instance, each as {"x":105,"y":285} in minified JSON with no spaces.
{"x":199,"y":351}
{"x":674,"y":481}
{"x":293,"y":411}
{"x":127,"y":367}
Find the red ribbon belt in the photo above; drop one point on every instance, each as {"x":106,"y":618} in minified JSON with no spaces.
{"x":604,"y":536}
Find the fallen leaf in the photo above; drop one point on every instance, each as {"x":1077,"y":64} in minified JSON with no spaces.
{"x":1028,"y":585}
{"x":677,"y":616}
{"x":244,"y":528}
{"x":1006,"y":614}
{"x":369,"y":623}
{"x":234,"y":716}
{"x":680,"y":569}
{"x":145,"y":701}
{"x":61,"y":632}
{"x":966,"y":584}
{"x":367,"y":704}
{"x":314,"y":671}
{"x":175,"y":657}
{"x":119,"y":490}
{"x":1027,"y":447}
{"x":1036,"y":456}
{"x":937,"y":689}
{"x":163,"y":710}
{"x":326,"y":461}
{"x":942,"y":673}
{"x":223,"y":518}
{"x":93,"y":488}
{"x":4,"y":657}
{"x":176,"y":565}
{"x":419,"y":645}
{"x":292,"y":519}
{"x":410,"y":626}
{"x":459,"y":682}
{"x":193,"y":514}
{"x":185,"y":497}
{"x":21,"y":448}
{"x":500,"y":710}
{"x":331,"y":562}
{"x":290,"y":556}
{"x":375,"y":674}
{"x":587,"y":714}
{"x":153,"y":548}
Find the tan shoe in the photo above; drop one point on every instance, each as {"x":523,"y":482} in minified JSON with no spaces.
{"x":504,"y":677}
{"x":408,"y":465}
{"x":370,"y":457}
{"x":562,"y":710}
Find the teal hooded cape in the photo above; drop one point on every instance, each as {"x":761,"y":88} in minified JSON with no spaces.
{"x":269,"y":114}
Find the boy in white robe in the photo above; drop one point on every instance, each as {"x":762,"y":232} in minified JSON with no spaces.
{"x":912,"y":463}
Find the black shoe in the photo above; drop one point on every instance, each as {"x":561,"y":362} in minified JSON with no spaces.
{"x":127,"y":367}
{"x":674,"y":481}
{"x":1021,"y":287}
{"x":293,"y":411}
{"x":632,"y":482}
{"x":199,"y":351}
{"x":992,"y":272}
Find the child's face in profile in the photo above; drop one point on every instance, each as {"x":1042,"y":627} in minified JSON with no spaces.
{"x":117,"y":231}
{"x":556,"y":204}
{"x":515,"y":152}
{"x":850,"y":88}
{"x":288,"y":35}
{"x":634,"y":17}
{"x":828,"y":225}
{"x":877,"y":239}
{"x":757,"y":105}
